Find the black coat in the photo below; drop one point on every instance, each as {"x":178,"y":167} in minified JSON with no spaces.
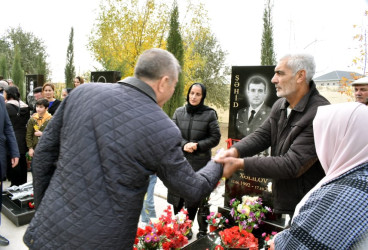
{"x":19,"y":118}
{"x":201,"y":127}
{"x":54,"y":107}
{"x":93,"y":162}
{"x":293,"y":166}
{"x":8,"y":142}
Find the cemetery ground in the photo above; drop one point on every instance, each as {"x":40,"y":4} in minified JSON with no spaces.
{"x":15,"y":234}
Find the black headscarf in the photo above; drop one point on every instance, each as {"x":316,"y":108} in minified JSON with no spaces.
{"x":200,"y":107}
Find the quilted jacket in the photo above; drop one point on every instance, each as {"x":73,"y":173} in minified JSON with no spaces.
{"x":294,"y":166}
{"x":106,"y":140}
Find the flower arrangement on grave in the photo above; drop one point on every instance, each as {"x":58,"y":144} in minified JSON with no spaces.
{"x":267,"y":239}
{"x":216,"y":220}
{"x":168,"y":232}
{"x":236,"y":238}
{"x":248,"y":212}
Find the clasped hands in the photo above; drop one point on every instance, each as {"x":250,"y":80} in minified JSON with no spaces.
{"x":190,"y":147}
{"x":231,"y":162}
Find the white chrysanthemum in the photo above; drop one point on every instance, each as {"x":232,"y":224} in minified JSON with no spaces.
{"x":181,"y":217}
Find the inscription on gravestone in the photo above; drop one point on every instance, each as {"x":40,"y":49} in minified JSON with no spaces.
{"x":251,"y":89}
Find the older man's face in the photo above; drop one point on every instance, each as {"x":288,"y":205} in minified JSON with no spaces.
{"x":361,"y":93}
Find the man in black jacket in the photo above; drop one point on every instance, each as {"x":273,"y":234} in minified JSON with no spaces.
{"x":293,"y":164}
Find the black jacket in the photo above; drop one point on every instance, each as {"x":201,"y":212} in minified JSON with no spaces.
{"x":201,"y":127}
{"x":54,"y":107}
{"x":293,"y":165}
{"x":19,"y":118}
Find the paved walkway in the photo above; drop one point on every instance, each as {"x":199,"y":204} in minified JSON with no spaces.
{"x":15,"y":234}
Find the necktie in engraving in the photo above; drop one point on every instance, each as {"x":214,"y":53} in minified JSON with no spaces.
{"x":251,"y":116}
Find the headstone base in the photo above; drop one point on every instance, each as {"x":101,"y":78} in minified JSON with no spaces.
{"x":16,"y":211}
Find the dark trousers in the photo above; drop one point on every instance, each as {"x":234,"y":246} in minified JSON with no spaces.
{"x":17,"y":175}
{"x":203,"y":210}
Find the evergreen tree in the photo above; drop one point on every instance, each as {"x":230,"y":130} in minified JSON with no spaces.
{"x":29,"y":45}
{"x":3,"y":66}
{"x":267,"y":53}
{"x":175,"y":46}
{"x":41,"y":67}
{"x":18,"y":73}
{"x":69,"y":67}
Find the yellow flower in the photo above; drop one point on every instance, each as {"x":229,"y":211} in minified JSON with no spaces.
{"x":244,"y":209}
{"x":36,"y":127}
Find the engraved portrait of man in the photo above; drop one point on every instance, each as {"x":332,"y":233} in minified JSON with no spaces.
{"x":248,"y":119}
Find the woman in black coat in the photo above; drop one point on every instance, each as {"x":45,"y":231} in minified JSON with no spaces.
{"x":19,"y":115}
{"x":200,"y":131}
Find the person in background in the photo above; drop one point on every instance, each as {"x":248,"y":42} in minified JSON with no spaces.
{"x":200,"y":133}
{"x":3,"y":85}
{"x":334,"y":214}
{"x":78,"y":80}
{"x":250,"y":118}
{"x":48,"y":92}
{"x":148,"y":209}
{"x":293,"y":164}
{"x":37,"y":124}
{"x":92,"y":166}
{"x":65,"y":92}
{"x":8,"y":145}
{"x":361,"y":90}
{"x":37,"y":94}
{"x":10,"y":82}
{"x":19,"y":115}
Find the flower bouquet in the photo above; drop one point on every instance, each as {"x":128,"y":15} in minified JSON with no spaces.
{"x":165,"y":233}
{"x":216,"y":220}
{"x":249,"y":212}
{"x":235,"y":238}
{"x":267,"y":239}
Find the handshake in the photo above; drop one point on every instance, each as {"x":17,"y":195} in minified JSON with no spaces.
{"x":230,"y":161}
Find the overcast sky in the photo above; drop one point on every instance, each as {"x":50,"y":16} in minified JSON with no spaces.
{"x":323,"y":28}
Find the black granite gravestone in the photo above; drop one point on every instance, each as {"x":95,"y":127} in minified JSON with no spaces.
{"x":243,"y":96}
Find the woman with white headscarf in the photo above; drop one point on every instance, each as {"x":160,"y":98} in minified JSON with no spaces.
{"x":334,"y":214}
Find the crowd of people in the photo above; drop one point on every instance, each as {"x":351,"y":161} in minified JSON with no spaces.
{"x":95,"y":167}
{"x":27,"y":123}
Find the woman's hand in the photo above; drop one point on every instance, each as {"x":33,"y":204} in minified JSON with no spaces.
{"x":190,"y":147}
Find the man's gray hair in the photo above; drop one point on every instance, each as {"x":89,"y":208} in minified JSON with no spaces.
{"x":3,"y":84}
{"x":155,"y":63}
{"x":301,"y":61}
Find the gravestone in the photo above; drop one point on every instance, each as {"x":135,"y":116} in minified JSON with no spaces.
{"x":240,"y":126}
{"x":241,"y":184}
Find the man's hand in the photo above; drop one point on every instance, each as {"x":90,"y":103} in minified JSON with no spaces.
{"x":231,"y":164}
{"x":232,"y":152}
{"x":14,"y":162}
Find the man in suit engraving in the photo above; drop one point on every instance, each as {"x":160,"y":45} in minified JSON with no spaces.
{"x":250,"y":118}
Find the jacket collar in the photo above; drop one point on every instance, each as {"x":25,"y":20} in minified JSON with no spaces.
{"x":304,"y":101}
{"x":140,"y":86}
